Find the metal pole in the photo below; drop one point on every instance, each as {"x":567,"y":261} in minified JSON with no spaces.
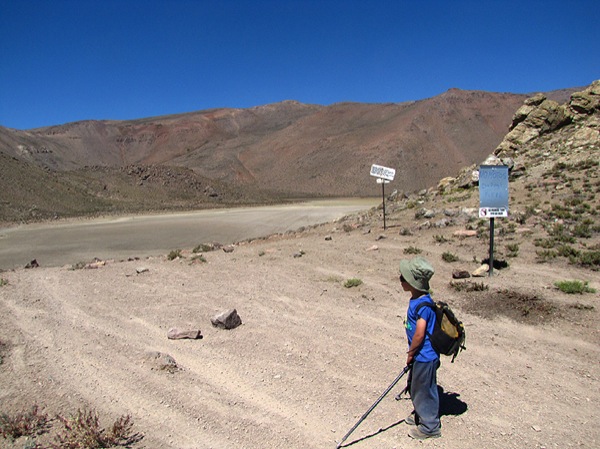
{"x":383,"y":199}
{"x":363,"y":417}
{"x":491,"y":272}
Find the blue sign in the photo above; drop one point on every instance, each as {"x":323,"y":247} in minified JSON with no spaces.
{"x":493,"y":191}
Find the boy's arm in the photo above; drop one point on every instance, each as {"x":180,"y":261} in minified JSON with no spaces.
{"x":417,"y":340}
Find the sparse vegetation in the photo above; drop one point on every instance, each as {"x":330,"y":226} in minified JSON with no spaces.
{"x":572,"y":287}
{"x":449,"y":257}
{"x":412,"y":250}
{"x":30,"y":423}
{"x":512,"y":250}
{"x":204,"y":248}
{"x":469,"y":286}
{"x":174,"y":254}
{"x":352,"y":282}
{"x":83,"y":430}
{"x":3,"y":282}
{"x":440,"y":239}
{"x":198,"y":258}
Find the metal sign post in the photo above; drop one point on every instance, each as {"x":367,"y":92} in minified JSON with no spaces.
{"x":384,"y":175}
{"x":493,"y":198}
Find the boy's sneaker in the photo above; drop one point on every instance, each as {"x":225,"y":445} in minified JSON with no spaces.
{"x":418,"y":434}
{"x":410,"y":419}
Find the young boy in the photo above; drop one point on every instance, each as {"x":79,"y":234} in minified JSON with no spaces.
{"x":425,"y":419}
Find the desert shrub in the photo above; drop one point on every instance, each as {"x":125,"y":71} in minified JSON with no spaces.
{"x":352,"y":282}
{"x":203,"y":248}
{"x":588,"y":259}
{"x":440,"y":239}
{"x":469,"y":286}
{"x":176,"y":253}
{"x":512,"y":250}
{"x":21,"y":424}
{"x":545,"y":255}
{"x":567,"y":251}
{"x":572,"y":287}
{"x":199,"y":258}
{"x":449,"y":257}
{"x":544,"y":243}
{"x":3,"y":282}
{"x":83,"y":431}
{"x":412,"y":250}
{"x":582,"y":230}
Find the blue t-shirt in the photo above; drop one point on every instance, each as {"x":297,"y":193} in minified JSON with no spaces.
{"x":426,"y":353}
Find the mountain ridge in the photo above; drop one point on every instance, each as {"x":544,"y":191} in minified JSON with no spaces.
{"x":264,"y":153}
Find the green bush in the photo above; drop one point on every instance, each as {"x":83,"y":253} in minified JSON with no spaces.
{"x":352,"y":282}
{"x":572,"y":287}
{"x":176,"y":253}
{"x":512,"y":250}
{"x":412,"y":250}
{"x":3,"y":282}
{"x":449,"y":257}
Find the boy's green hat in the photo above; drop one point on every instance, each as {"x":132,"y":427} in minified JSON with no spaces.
{"x":417,"y":272}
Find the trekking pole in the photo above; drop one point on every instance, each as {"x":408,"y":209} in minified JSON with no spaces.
{"x":363,"y":417}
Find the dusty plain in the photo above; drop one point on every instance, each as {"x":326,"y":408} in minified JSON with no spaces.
{"x":311,"y":355}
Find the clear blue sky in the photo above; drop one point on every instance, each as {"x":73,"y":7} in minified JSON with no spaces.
{"x":69,"y":60}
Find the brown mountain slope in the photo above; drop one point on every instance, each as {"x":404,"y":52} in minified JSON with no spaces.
{"x":284,"y":149}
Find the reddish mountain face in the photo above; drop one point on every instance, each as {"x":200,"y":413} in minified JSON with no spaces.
{"x":287,"y":148}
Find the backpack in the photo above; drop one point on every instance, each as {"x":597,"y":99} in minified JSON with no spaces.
{"x":448,"y":336}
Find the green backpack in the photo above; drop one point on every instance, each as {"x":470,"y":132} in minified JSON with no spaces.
{"x":448,"y":335}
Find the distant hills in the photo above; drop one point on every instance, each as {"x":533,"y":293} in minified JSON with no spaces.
{"x":239,"y":156}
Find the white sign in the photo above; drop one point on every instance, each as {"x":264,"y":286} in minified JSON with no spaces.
{"x":383,"y":172}
{"x":382,"y":181}
{"x":492,"y":212}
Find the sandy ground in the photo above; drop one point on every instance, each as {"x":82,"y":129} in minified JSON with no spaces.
{"x":311,"y":356}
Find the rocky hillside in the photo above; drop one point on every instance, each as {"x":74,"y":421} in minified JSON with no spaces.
{"x":234,"y":156}
{"x":553,"y":155}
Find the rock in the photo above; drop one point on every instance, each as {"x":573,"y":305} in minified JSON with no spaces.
{"x":227,"y":320}
{"x":381,"y":237}
{"x":228,"y":248}
{"x":33,"y":264}
{"x":96,"y":264}
{"x":161,"y":362}
{"x":176,"y":334}
{"x":373,"y":248}
{"x":328,"y":238}
{"x":460,"y":274}
{"x":141,"y":270}
{"x":481,"y":271}
{"x":465,"y":233}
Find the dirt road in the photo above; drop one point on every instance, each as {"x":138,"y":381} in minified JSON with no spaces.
{"x":311,"y":355}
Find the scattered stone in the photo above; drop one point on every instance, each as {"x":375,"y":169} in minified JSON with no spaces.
{"x":228,"y":248}
{"x":373,"y":248}
{"x":328,"y":237}
{"x":176,"y":334}
{"x":227,"y":320}
{"x":481,"y":271}
{"x":33,"y":264}
{"x":460,"y":274}
{"x":380,"y":237}
{"x":159,"y":361}
{"x":141,"y":270}
{"x":465,"y":233}
{"x":96,"y":264}
{"x":299,"y":254}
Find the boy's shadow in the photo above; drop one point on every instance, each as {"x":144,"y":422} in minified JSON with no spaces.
{"x":450,"y":404}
